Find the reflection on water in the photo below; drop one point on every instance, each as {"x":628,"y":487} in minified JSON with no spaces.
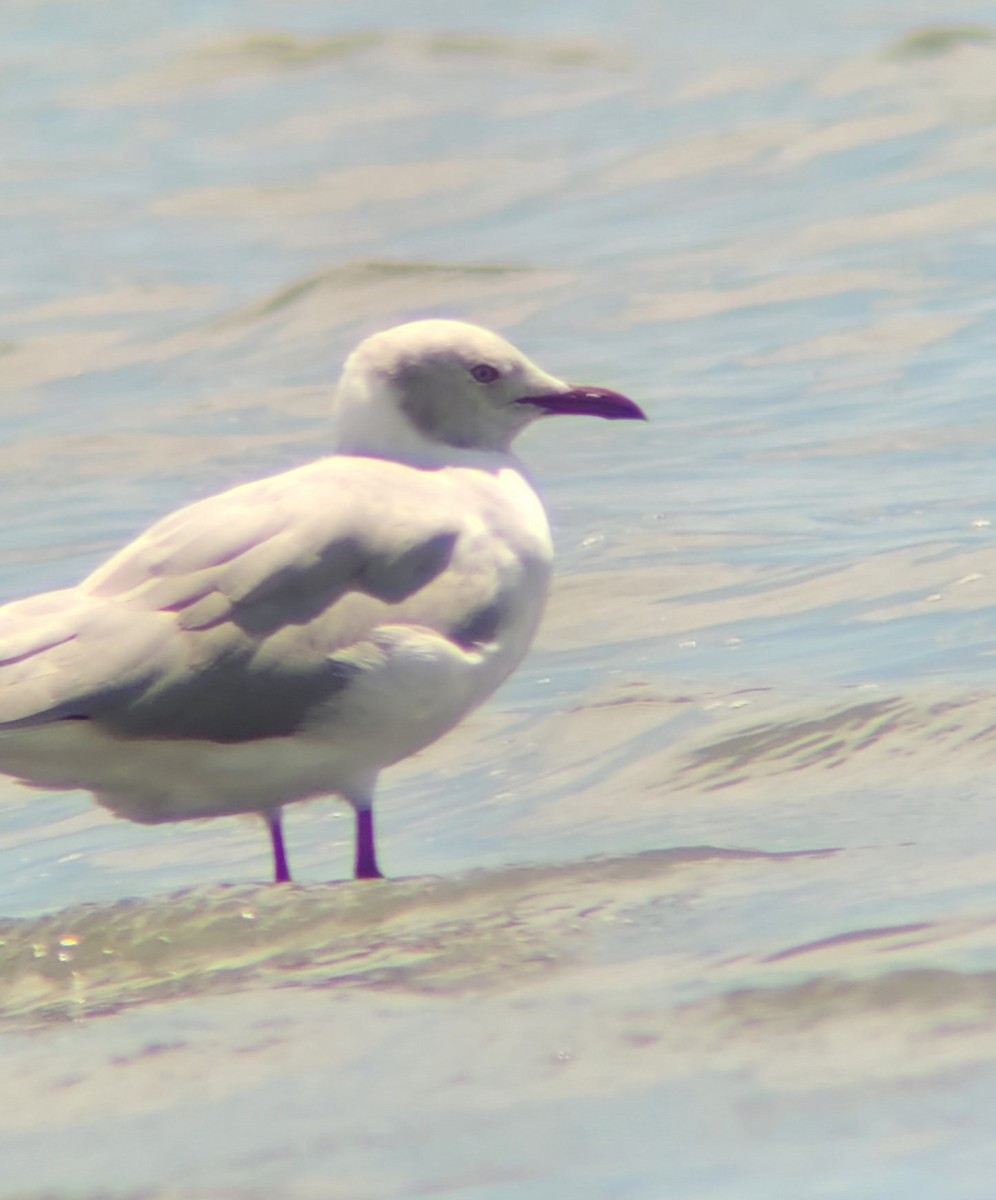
{"x":485,"y":930}
{"x":609,"y":992}
{"x":749,"y":765}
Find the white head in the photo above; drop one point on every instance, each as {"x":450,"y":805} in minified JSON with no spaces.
{"x":416,"y":389}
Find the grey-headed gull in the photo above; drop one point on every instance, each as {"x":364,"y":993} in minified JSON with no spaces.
{"x":292,"y":637}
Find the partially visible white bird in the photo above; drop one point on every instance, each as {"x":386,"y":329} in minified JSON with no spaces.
{"x":292,"y":637}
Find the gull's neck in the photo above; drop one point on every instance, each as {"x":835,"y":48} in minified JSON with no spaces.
{"x":367,"y":427}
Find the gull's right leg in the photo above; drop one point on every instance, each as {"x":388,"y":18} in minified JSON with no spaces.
{"x":281,"y":871}
{"x":366,"y":847}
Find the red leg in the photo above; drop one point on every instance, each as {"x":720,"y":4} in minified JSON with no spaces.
{"x":281,"y":871}
{"x":366,"y":848}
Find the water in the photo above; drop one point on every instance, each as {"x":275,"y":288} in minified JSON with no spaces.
{"x":701,"y":905}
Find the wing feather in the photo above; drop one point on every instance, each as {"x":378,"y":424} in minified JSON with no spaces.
{"x":226,"y":619}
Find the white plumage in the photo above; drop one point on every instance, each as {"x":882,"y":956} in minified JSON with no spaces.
{"x":293,"y":636}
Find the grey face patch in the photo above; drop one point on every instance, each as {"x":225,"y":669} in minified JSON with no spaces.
{"x":445,"y":404}
{"x":436,"y":417}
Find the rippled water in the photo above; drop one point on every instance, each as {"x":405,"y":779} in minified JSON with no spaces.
{"x":702,"y":905}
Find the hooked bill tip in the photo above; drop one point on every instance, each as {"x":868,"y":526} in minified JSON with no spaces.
{"x":587,"y":402}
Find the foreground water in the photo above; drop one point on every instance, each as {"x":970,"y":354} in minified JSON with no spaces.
{"x":702,"y":905}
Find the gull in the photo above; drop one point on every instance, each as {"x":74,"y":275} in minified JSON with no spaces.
{"x":293,"y":636}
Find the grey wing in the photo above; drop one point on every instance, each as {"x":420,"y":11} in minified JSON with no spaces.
{"x":59,"y":649}
{"x":223,"y":620}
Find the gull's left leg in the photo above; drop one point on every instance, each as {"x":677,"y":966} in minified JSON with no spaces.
{"x":281,"y":871}
{"x":366,"y":846}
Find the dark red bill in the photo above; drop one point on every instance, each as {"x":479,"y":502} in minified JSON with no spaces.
{"x":587,"y":402}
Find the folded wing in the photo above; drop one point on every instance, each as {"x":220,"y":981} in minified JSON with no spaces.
{"x":232,"y":619}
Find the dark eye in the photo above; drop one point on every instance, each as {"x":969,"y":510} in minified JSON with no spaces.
{"x":484,"y":373}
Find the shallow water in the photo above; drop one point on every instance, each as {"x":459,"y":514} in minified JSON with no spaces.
{"x":701,"y":905}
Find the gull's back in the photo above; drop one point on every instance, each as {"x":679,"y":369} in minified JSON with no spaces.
{"x":293,"y":607}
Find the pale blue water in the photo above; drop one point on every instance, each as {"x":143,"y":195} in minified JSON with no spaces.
{"x":764,"y":689}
